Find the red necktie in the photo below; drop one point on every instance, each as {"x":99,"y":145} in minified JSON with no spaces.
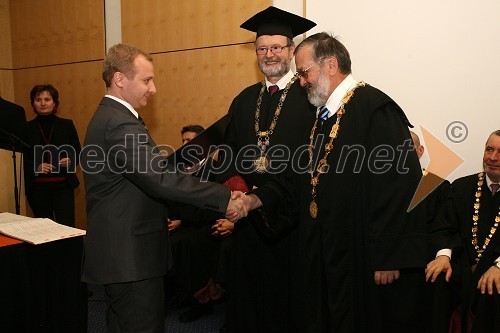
{"x":273,"y":89}
{"x":494,"y":188}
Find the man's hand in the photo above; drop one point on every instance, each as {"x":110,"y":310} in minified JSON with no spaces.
{"x":439,"y":265}
{"x":252,"y":202}
{"x":236,"y":207}
{"x":240,"y":204}
{"x":223,"y":228}
{"x":173,"y":225}
{"x":385,"y":277}
{"x":490,"y":281}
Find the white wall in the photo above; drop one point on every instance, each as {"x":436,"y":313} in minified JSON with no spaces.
{"x":438,"y":59}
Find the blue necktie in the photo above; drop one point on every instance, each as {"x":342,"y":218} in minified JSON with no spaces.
{"x":323,"y":113}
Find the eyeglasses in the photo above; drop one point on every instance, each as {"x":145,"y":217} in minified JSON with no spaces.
{"x":274,"y":49}
{"x":304,"y":72}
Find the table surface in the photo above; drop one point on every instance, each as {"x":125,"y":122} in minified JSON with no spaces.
{"x":6,"y":241}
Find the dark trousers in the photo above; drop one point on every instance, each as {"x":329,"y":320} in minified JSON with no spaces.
{"x":136,"y":306}
{"x":55,"y":201}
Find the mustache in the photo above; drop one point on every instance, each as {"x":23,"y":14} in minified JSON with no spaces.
{"x":266,"y":61}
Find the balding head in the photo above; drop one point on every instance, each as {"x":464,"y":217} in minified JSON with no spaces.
{"x":419,"y":149}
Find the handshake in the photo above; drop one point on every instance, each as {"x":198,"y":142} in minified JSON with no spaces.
{"x":240,"y":204}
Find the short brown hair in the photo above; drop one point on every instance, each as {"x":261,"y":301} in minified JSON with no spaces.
{"x":120,"y":58}
{"x":38,"y":89}
{"x":192,"y":128}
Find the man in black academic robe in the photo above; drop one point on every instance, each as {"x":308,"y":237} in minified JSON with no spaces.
{"x":431,"y":195}
{"x":474,"y":278}
{"x":363,"y":253}
{"x":261,"y":276}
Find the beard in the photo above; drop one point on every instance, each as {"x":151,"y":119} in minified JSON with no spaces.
{"x":275,"y":70}
{"x":318,"y":94}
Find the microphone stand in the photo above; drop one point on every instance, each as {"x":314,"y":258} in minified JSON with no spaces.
{"x":13,"y":139}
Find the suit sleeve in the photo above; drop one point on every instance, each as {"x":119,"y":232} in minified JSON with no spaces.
{"x":132,"y":153}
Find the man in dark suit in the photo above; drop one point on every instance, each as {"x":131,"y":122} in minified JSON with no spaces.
{"x":12,"y":120}
{"x":127,"y":181}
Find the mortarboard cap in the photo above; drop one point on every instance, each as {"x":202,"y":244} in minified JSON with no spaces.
{"x":274,"y":21}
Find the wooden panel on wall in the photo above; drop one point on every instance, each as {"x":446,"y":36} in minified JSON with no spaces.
{"x":197,"y":86}
{"x":161,"y":25}
{"x":80,"y":89}
{"x":7,"y":84}
{"x":5,"y":38}
{"x":54,"y":31}
{"x":7,"y":197}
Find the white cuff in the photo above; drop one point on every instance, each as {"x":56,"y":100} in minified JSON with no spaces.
{"x":444,"y":252}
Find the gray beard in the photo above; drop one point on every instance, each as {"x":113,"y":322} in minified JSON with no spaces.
{"x":319,"y":94}
{"x":272,"y":72}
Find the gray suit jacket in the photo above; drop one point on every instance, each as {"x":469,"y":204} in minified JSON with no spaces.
{"x":126,"y":186}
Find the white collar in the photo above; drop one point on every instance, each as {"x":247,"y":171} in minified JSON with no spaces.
{"x":126,"y":104}
{"x":281,"y":82}
{"x":335,"y":99}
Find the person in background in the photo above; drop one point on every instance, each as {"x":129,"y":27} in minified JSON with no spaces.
{"x":267,"y":118}
{"x":469,"y":255}
{"x":50,"y":166}
{"x":196,"y":236}
{"x":127,"y":183}
{"x":189,"y":132}
{"x":364,"y":254}
{"x":437,"y":190}
{"x":419,"y":148}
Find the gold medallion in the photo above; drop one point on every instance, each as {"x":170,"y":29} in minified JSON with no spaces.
{"x":261,"y":164}
{"x":313,"y":209}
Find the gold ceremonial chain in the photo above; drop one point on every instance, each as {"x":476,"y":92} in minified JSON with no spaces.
{"x":475,"y":219}
{"x":261,"y":163}
{"x":323,"y":165}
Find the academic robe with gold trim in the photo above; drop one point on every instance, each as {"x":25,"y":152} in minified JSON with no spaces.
{"x":454,"y":231}
{"x":362,"y":224}
{"x":262,"y":276}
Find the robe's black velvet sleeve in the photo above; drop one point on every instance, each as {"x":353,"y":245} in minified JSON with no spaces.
{"x":396,"y":237}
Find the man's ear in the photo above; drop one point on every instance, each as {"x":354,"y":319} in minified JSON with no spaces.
{"x":332,"y":65}
{"x":118,"y":79}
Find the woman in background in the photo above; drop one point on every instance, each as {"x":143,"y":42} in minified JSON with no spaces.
{"x":50,"y":165}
